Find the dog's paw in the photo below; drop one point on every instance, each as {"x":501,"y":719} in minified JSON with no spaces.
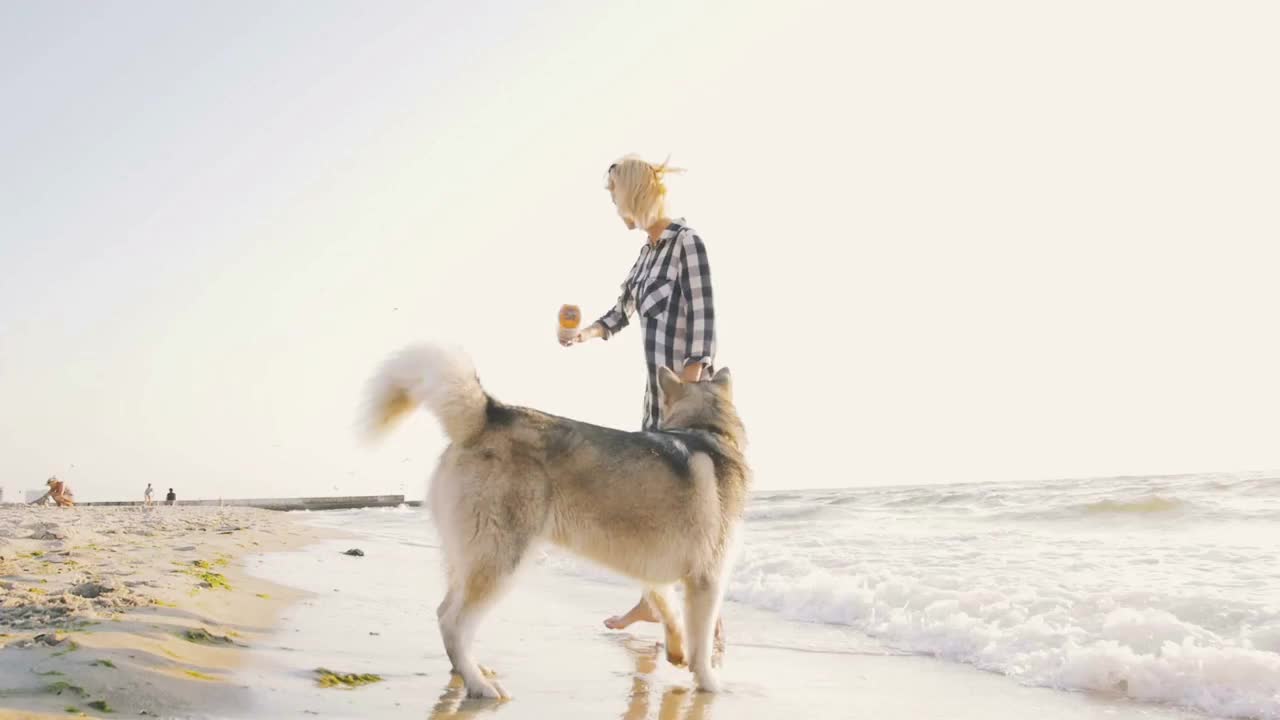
{"x":675,"y":656}
{"x":708,"y":682}
{"x":485,"y":687}
{"x":484,"y":691}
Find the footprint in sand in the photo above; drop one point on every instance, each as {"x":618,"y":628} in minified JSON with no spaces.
{"x":47,"y":531}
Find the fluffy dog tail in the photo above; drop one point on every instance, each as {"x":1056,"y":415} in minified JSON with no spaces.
{"x":440,"y":378}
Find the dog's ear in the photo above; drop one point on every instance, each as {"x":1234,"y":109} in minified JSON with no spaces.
{"x":723,"y":379}
{"x":670,"y":383}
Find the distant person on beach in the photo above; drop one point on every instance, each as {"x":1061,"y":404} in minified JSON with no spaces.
{"x":670,"y":285}
{"x":171,"y":498}
{"x":146,"y":495}
{"x":59,"y":492}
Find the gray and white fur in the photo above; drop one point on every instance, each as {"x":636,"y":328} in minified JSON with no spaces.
{"x":661,"y":507}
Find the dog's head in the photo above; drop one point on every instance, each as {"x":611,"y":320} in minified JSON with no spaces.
{"x":707,"y":404}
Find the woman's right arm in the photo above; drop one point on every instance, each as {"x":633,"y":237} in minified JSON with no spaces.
{"x":618,"y":317}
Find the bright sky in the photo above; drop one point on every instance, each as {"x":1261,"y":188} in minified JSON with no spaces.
{"x":950,"y":241}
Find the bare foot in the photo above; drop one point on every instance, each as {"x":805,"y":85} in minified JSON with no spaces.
{"x":640,"y":613}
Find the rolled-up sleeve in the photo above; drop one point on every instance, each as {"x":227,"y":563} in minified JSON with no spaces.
{"x":695,"y":279}
{"x":619,"y":316}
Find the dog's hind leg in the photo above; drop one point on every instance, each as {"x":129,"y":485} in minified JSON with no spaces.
{"x":701,"y":607}
{"x":479,"y":576}
{"x":662,"y":600}
{"x":487,"y":521}
{"x":460,"y":616}
{"x":444,"y":605}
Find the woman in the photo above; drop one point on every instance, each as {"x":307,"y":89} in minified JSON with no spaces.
{"x":670,"y":286}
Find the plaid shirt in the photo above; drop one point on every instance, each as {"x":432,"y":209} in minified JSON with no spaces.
{"x":670,"y":284}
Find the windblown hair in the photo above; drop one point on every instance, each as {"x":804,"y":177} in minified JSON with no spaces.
{"x":639,"y":189}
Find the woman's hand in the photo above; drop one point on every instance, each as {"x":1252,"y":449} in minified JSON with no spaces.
{"x":589,"y":332}
{"x":692,"y":373}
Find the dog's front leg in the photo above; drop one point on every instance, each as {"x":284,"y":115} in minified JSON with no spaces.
{"x":662,"y":600}
{"x":701,"y":606}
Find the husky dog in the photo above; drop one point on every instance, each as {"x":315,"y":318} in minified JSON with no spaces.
{"x":662,"y":507}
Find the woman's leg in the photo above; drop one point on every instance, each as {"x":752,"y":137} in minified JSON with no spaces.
{"x":641,"y":612}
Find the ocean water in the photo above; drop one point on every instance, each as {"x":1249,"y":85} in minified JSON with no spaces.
{"x":1159,"y":589}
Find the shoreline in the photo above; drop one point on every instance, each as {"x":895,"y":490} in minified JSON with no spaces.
{"x":296,"y":602}
{"x":316,"y":503}
{"x":376,"y":614}
{"x":146,"y":611}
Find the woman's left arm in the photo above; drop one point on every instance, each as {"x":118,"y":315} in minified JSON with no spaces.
{"x":695,"y":281}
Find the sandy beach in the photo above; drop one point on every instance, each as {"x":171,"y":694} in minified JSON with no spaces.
{"x":227,"y":613}
{"x":134,"y":611}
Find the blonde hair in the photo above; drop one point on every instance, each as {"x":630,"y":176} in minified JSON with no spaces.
{"x":638,"y":189}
